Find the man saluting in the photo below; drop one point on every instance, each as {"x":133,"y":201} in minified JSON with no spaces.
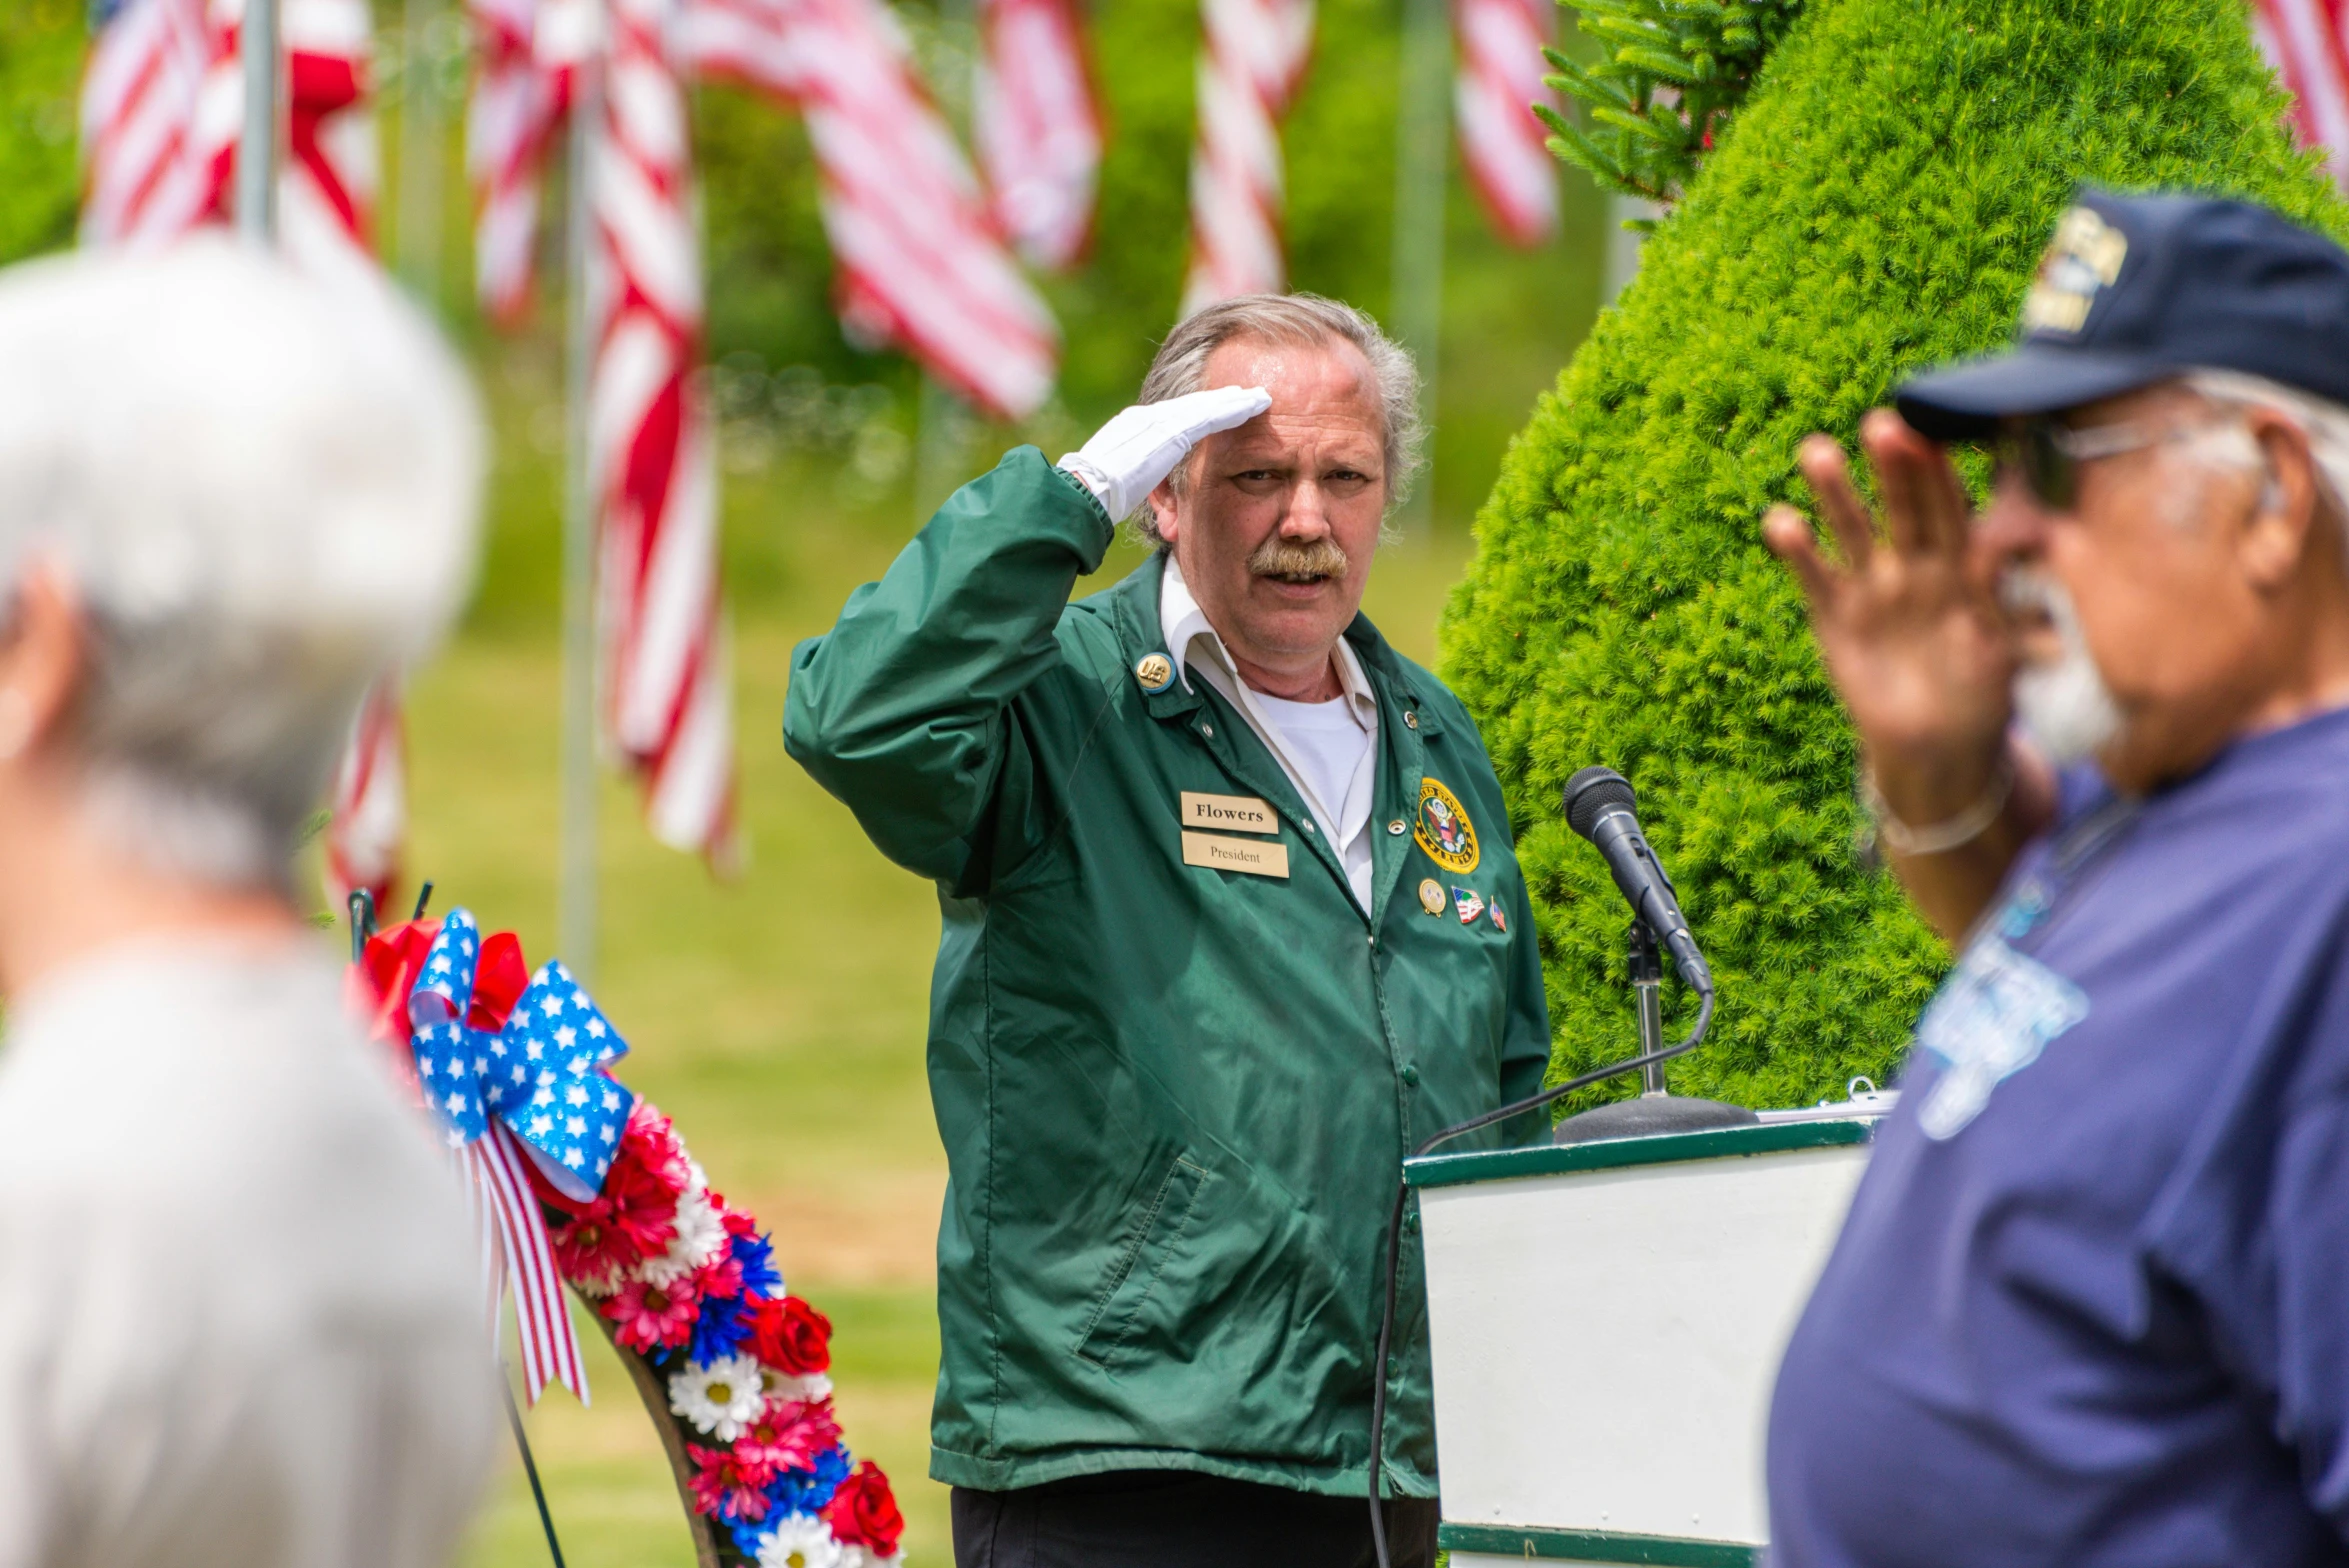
{"x":1231,"y":921}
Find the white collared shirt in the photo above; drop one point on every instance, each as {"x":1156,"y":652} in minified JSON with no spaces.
{"x":1329,"y":750}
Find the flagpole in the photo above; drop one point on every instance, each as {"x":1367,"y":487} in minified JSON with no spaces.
{"x":576,"y":922}
{"x":256,"y":186}
{"x":1422,"y":161}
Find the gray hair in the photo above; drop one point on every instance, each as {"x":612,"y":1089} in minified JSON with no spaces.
{"x":1303,"y":321}
{"x":2325,"y":423}
{"x":261,"y":488}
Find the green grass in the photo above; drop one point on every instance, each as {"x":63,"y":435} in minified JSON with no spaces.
{"x":779,"y":1018}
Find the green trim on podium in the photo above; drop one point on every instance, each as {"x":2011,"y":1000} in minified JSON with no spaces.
{"x":1539,"y":1544}
{"x":1556,"y":1159}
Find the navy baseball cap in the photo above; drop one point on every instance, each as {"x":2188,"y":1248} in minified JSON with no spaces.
{"x":2137,"y":289}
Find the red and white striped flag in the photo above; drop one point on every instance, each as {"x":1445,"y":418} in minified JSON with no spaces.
{"x":2307,"y":41}
{"x":918,"y":262}
{"x":667,"y":690}
{"x":369,"y":826}
{"x":152,"y":118}
{"x":1255,"y":58}
{"x":516,"y":107}
{"x":162,"y":109}
{"x":1037,"y":129}
{"x":1502,"y":145}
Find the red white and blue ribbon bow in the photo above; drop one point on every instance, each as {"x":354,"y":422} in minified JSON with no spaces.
{"x":527,"y":1085}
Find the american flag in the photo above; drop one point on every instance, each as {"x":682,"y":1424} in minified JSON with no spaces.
{"x":1036,"y":126}
{"x":918,"y":262}
{"x":1255,"y":58}
{"x":667,"y":688}
{"x":162,"y":107}
{"x":2305,"y":41}
{"x":520,"y":94}
{"x":158,"y":121}
{"x":1502,"y":146}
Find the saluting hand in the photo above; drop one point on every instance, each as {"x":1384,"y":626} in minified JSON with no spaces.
{"x":1129,"y":456}
{"x":1910,"y":626}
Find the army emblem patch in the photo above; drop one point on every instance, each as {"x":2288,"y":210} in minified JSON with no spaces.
{"x":1443,"y":829}
{"x":2083,"y":258}
{"x":1431,"y":896}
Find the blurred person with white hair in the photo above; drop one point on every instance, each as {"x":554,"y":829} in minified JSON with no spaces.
{"x":2091,"y":1305}
{"x":240,"y":1316}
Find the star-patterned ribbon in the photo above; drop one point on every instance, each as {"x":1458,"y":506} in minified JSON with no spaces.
{"x":514,"y":1073}
{"x":540,"y":1070}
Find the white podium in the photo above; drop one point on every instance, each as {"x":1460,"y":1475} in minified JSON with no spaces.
{"x":1607,"y":1322}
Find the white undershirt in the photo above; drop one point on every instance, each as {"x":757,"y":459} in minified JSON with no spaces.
{"x":1329,"y":750}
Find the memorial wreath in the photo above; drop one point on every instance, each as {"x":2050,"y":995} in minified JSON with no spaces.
{"x":584,"y":1183}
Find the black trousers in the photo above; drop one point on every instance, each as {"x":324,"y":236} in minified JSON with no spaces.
{"x":1175,"y":1519}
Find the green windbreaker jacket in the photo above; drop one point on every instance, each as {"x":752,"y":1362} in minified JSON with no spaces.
{"x":1174,"y":1097}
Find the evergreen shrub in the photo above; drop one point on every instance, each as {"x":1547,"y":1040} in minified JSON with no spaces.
{"x":1878,"y":204}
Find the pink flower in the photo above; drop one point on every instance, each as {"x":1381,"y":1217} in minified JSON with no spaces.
{"x":721,"y":1276}
{"x":591,"y":1246}
{"x":650,"y":1144}
{"x":787,"y":1435}
{"x":650,"y":1315}
{"x":724,"y":1487}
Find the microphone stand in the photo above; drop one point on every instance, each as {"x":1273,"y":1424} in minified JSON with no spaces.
{"x":1647,"y":989}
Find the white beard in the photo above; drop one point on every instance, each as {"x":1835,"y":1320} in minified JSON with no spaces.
{"x":2065,"y":707}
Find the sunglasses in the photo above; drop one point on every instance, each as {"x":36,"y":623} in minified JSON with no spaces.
{"x":2048,"y":455}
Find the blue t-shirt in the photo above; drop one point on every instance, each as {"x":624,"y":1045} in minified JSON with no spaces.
{"x":2092,"y":1302}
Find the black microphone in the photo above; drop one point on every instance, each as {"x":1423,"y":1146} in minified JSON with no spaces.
{"x":1601,"y":807}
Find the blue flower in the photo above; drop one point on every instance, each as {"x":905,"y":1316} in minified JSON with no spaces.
{"x":749,"y":1538}
{"x":724,"y":1323}
{"x":807,"y":1491}
{"x":756,"y":1255}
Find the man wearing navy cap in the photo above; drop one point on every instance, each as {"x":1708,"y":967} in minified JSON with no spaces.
{"x":2092,"y":1303}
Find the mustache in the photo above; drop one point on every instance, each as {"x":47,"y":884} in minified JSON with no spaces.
{"x":2065,"y":706}
{"x":2022,"y":588}
{"x":1293,"y":562}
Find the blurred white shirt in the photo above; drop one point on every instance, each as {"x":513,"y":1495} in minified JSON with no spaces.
{"x":240,"y":1318}
{"x":1328,"y":749}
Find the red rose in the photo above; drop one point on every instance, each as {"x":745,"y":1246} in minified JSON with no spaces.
{"x":863,"y":1513}
{"x":792,"y":1337}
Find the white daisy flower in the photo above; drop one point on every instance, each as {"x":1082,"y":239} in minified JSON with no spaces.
{"x":721,"y":1398}
{"x":598,"y":1286}
{"x":701,"y":1235}
{"x":800,"y":1542}
{"x":783,"y":1386}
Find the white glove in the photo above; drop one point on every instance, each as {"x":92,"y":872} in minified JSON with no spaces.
{"x":1128,"y":457}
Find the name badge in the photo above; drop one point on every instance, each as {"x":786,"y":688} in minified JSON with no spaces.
{"x":1235,"y":854}
{"x":1229,"y":813}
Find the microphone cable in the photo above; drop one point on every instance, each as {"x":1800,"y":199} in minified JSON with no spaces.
{"x":1386,"y":1323}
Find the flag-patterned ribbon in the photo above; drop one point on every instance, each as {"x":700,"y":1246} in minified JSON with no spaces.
{"x":515,"y":1072}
